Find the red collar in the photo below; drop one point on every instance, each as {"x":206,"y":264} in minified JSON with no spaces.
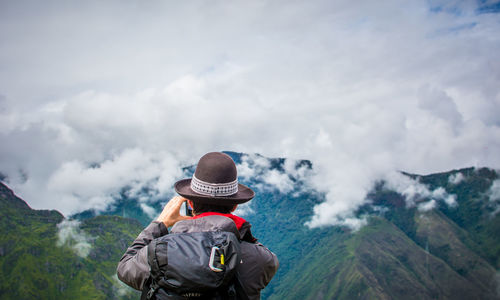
{"x":237,"y":220}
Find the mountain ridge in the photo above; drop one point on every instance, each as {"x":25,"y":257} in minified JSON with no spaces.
{"x":446,"y":252}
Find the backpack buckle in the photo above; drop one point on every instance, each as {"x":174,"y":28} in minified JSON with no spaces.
{"x":212,"y":260}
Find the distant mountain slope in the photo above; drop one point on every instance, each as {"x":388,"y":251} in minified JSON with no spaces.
{"x":35,"y":264}
{"x":405,"y":253}
{"x":426,"y":248}
{"x":381,"y":262}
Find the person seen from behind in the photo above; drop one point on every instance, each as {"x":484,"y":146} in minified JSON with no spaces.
{"x":213,"y":193}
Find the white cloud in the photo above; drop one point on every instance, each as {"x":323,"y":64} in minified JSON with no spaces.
{"x":70,"y":234}
{"x":298,"y":169}
{"x":456,"y":178}
{"x":450,"y":200}
{"x":415,"y":192}
{"x":244,"y":209}
{"x":150,"y":211}
{"x":278,"y":180}
{"x":441,"y":194}
{"x":120,"y":288}
{"x":426,"y":206}
{"x":408,"y":187}
{"x":252,"y":165}
{"x":441,"y":105}
{"x":82,"y":186}
{"x":360,"y":89}
{"x":258,"y":168}
{"x":494,"y":191}
{"x":494,"y":196}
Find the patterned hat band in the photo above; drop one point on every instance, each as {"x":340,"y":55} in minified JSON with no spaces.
{"x":214,"y":189}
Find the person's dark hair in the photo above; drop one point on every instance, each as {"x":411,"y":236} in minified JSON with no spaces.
{"x":199,"y":208}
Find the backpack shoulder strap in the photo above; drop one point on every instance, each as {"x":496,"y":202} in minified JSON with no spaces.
{"x":153,"y":259}
{"x":151,"y":285}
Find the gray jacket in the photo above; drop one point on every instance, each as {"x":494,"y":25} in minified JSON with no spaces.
{"x":258,"y":265}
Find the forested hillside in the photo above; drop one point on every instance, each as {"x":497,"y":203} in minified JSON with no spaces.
{"x":42,"y":256}
{"x":438,"y":245}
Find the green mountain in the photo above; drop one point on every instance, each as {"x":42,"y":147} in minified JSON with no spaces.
{"x":448,"y":251}
{"x":404,"y":253}
{"x":36,"y":263}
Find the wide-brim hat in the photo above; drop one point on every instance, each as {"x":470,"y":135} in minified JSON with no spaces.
{"x":215,"y":181}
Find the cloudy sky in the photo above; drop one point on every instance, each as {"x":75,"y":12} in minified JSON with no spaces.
{"x":97,"y":95}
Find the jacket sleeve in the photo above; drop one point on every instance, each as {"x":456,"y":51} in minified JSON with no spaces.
{"x":257,"y":268}
{"x":133,"y":268}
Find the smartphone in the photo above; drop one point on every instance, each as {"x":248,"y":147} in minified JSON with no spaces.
{"x":189,"y":210}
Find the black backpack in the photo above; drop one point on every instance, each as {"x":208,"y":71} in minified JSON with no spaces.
{"x":195,"y":265}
